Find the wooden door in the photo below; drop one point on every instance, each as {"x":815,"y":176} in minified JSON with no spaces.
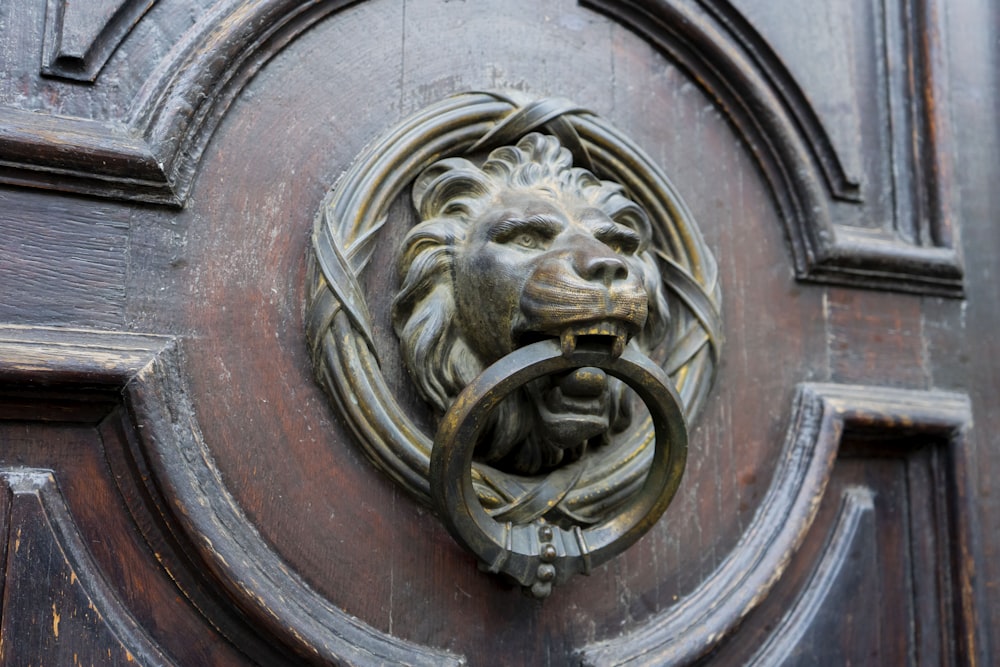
{"x":179,"y":489}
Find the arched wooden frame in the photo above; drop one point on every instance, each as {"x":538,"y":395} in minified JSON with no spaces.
{"x":152,"y":153}
{"x":188,"y":495}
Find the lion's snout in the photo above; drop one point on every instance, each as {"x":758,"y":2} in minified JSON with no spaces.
{"x":553,"y":303}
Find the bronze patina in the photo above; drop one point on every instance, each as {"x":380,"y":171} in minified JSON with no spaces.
{"x":522,"y":248}
{"x":553,"y":277}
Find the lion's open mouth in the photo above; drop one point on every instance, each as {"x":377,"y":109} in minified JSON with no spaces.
{"x":575,"y":406}
{"x":613,"y":333}
{"x":571,"y":408}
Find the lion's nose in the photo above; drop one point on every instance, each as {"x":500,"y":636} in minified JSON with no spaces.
{"x":601,"y":267}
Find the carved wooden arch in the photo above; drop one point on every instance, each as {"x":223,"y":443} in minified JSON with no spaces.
{"x":736,"y":67}
{"x":190,"y":497}
{"x":152,"y":154}
{"x":821,"y":416}
{"x":171,"y":468}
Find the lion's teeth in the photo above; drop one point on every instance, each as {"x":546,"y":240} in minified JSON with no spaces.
{"x":617,"y":347}
{"x":568,"y":342}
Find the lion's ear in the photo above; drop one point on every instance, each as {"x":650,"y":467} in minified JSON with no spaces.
{"x":447,"y":188}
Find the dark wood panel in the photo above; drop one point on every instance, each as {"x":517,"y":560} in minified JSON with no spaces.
{"x":253,"y":115}
{"x":817,"y":628}
{"x":879,"y":591}
{"x":867,"y":333}
{"x":60,"y":262}
{"x":80,"y":580}
{"x":964,"y":341}
{"x":79,"y":39}
{"x":56,"y":607}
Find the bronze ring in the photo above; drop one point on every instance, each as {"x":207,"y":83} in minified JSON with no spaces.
{"x":540,"y":554}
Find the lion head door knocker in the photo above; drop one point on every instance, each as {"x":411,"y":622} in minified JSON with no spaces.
{"x":558,"y":310}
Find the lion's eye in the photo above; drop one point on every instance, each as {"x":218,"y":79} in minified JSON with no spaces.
{"x":534,"y":233}
{"x":528,"y":240}
{"x":621,"y":245}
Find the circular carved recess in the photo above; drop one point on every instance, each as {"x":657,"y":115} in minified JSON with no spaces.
{"x":339,"y":325}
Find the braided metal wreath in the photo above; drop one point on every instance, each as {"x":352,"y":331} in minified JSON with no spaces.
{"x":339,"y":326}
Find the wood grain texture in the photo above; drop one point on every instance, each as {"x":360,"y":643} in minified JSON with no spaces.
{"x":119,"y":575}
{"x":173,"y":553}
{"x":824,"y":413}
{"x":863,"y":332}
{"x":79,"y":155}
{"x":80,"y":37}
{"x":43,"y":356}
{"x":56,"y":386}
{"x":962,"y":341}
{"x":60,"y":264}
{"x":826,"y":410}
{"x":726,"y":56}
{"x":197,"y":509}
{"x":56,"y":606}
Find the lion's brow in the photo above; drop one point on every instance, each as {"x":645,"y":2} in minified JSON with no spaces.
{"x":615,"y":230}
{"x":537,"y":223}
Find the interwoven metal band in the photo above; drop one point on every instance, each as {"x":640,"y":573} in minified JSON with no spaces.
{"x":347,"y":227}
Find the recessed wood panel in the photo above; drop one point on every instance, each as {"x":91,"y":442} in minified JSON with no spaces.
{"x":874,"y":581}
{"x":80,"y":580}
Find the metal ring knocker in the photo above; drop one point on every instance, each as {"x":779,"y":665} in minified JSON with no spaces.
{"x":540,"y":554}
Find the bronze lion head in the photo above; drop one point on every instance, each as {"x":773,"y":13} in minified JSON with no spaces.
{"x":523,"y":247}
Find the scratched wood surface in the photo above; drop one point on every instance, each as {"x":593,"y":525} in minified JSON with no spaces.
{"x":221,"y":270}
{"x":81,"y":583}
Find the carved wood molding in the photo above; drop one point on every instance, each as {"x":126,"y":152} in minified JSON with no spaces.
{"x":855,"y":523}
{"x":187,"y":490}
{"x":80,"y":37}
{"x":737,"y":68}
{"x":32,"y":507}
{"x":79,"y":155}
{"x":152,"y":155}
{"x":193,"y":503}
{"x":822,"y":415}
